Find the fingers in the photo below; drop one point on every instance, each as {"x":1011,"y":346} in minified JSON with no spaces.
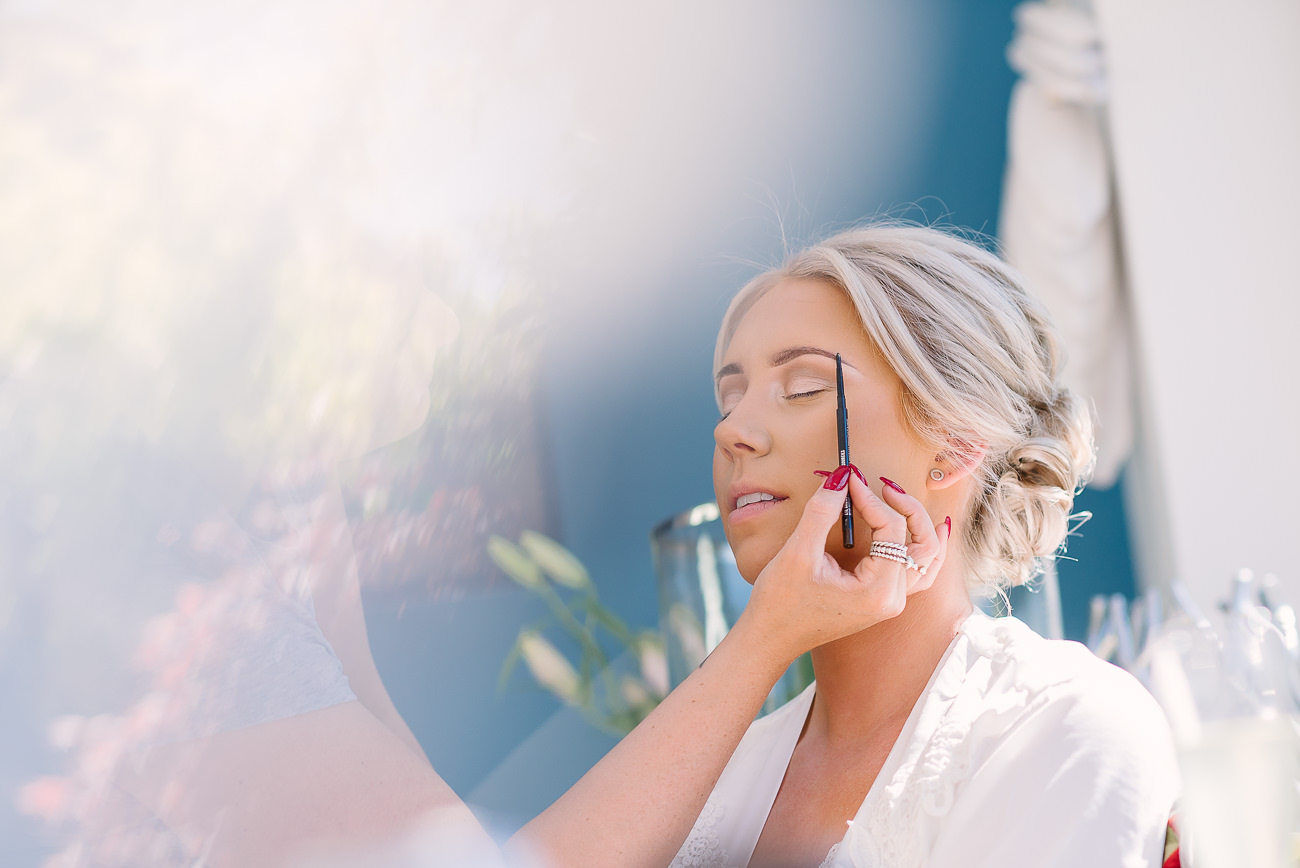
{"x":820,"y":514}
{"x":896,"y":516}
{"x":927,"y":543}
{"x":933,"y":564}
{"x":885,"y":522}
{"x":942,"y":530}
{"x":804,"y":598}
{"x":891,"y":516}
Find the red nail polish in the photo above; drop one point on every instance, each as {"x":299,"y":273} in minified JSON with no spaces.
{"x":948,"y":521}
{"x":858,"y":474}
{"x":837,"y":480}
{"x":893,"y":485}
{"x":822,"y":472}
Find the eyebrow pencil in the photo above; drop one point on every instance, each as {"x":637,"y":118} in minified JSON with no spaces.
{"x":842,"y":428}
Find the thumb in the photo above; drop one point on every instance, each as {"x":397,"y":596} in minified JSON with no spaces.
{"x":821,"y":512}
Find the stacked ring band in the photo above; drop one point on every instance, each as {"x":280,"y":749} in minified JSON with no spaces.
{"x":896,"y":552}
{"x":892,"y":551}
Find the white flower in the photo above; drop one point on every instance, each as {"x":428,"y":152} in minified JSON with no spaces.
{"x":556,"y":560}
{"x":549,"y":666}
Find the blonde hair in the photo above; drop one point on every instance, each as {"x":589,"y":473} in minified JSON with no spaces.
{"x":980,"y":364}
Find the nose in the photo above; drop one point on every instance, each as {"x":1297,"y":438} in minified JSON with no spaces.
{"x":742,"y":431}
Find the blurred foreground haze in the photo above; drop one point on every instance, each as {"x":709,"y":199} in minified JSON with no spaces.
{"x":472,"y":256}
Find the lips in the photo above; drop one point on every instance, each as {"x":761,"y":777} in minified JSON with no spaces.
{"x":748,"y":500}
{"x":756,"y":497}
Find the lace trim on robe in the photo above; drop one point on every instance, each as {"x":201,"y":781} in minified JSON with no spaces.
{"x":829,"y":861}
{"x":926,"y":788}
{"x":703,"y":849}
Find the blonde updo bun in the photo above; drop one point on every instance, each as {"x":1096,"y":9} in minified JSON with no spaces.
{"x":980,"y":364}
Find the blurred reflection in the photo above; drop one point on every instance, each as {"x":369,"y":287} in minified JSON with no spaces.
{"x":233,"y":241}
{"x":701,"y":595}
{"x":242,"y":246}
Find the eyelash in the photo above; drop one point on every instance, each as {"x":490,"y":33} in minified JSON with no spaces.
{"x":809,"y":394}
{"x":806,"y":394}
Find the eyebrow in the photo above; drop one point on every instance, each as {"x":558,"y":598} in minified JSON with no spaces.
{"x":779,"y":358}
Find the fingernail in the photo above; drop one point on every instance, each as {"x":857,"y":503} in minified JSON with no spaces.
{"x":858,"y":474}
{"x":837,"y":480}
{"x":894,"y":485}
{"x":948,"y":521}
{"x":822,"y":472}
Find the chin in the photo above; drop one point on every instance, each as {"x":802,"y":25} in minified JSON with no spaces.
{"x":750,"y":562}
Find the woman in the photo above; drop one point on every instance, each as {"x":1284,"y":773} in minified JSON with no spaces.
{"x":260,"y":731}
{"x":939,"y":736}
{"x":989,"y":442}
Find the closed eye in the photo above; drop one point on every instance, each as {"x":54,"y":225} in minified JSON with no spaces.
{"x":793,"y":396}
{"x":807,"y":394}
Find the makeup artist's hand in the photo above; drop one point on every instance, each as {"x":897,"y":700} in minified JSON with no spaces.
{"x":804,"y":598}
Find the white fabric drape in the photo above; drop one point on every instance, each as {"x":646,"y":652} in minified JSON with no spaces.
{"x":1200,"y":133}
{"x":1058,"y":212}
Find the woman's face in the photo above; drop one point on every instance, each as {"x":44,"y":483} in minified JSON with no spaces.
{"x":777,"y":390}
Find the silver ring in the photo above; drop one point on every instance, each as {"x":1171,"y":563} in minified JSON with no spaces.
{"x":896,"y":552}
{"x":890,"y":551}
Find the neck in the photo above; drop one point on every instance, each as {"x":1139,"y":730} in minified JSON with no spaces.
{"x":872,"y":679}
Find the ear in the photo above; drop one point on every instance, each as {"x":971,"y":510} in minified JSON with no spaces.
{"x":956,"y":462}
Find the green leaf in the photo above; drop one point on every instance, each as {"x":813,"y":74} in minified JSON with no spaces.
{"x":515,"y":562}
{"x":609,"y":621}
{"x":635,"y":693}
{"x":558,"y":562}
{"x":512,"y":660}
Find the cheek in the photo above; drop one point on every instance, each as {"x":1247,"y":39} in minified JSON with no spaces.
{"x":805,"y":444}
{"x":754,"y":551}
{"x":810,"y":442}
{"x":717,"y":475}
{"x":887,"y":450}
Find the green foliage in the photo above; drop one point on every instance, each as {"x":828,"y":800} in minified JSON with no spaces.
{"x":515,"y":562}
{"x":611,"y":701}
{"x":555,"y":560}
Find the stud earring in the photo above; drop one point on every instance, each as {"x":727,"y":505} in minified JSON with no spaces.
{"x":936,"y":475}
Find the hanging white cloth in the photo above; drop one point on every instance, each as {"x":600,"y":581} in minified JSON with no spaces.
{"x":1203,"y":124}
{"x":1058,"y":223}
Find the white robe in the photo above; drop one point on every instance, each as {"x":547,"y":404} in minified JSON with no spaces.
{"x":1021,"y":752}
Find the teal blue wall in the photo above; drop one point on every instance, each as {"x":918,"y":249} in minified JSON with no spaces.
{"x":627,"y":399}
{"x":627,"y":456}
